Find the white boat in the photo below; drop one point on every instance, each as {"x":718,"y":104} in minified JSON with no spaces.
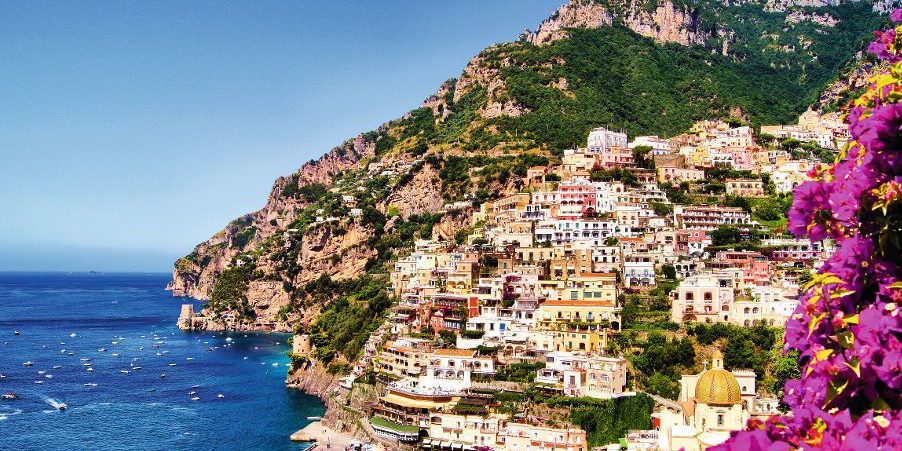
{"x":71,"y":353}
{"x":220,"y":395}
{"x":195,"y":398}
{"x":101,"y":350}
{"x":91,"y":384}
{"x":38,"y":382}
{"x":172,"y":364}
{"x":62,"y":406}
{"x":314,"y":418}
{"x":115,"y":354}
{"x":41,"y":372}
{"x":16,"y":333}
{"x":123,"y":371}
{"x":192,"y":392}
{"x":48,"y":376}
{"x":28,"y":363}
{"x":56,"y":367}
{"x":72,"y":335}
{"x":90,"y":369}
{"x":83,"y":359}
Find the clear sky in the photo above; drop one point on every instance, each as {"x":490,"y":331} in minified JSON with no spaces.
{"x":132,"y":130}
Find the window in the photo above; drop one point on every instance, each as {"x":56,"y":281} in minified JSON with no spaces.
{"x":720,"y":418}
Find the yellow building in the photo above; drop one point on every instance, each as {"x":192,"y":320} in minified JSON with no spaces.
{"x":564,"y":314}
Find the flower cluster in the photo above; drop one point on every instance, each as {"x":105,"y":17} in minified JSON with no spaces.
{"x":847,"y":326}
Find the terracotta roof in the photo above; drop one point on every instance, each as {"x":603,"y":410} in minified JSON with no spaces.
{"x":455,"y":352}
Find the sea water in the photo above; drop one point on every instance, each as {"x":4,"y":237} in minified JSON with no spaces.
{"x":115,"y":323}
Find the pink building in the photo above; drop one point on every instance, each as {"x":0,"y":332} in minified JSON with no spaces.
{"x":743,"y":157}
{"x":577,"y":198}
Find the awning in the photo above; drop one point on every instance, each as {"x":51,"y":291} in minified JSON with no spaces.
{"x":445,"y":444}
{"x":427,"y":442}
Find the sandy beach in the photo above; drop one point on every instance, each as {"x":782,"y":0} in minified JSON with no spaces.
{"x":325,"y":437}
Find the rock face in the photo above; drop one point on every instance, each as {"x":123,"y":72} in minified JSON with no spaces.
{"x":664,"y":23}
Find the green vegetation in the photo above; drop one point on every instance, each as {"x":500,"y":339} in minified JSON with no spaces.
{"x":519,"y":372}
{"x":743,"y":347}
{"x":663,"y":358}
{"x":347,"y":321}
{"x":229,"y":291}
{"x":604,"y":420}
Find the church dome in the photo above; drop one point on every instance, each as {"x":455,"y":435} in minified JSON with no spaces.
{"x":717,"y":386}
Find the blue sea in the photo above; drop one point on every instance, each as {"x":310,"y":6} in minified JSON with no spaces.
{"x":123,"y":326}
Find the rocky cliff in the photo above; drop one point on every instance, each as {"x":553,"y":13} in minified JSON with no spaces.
{"x":661,"y":21}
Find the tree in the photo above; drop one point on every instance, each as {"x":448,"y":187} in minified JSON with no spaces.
{"x":449,"y":338}
{"x":643,"y":157}
{"x":661,"y":385}
{"x":669,"y":271}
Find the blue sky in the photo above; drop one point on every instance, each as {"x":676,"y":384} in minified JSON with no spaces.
{"x":130,"y":131}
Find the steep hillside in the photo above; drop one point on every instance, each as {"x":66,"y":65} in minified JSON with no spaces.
{"x":646,"y":66}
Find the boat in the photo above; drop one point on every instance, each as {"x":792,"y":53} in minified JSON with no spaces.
{"x":195,"y":386}
{"x":91,"y":384}
{"x":123,"y":371}
{"x":48,"y":376}
{"x":28,"y":363}
{"x":90,"y":369}
{"x":192,"y":392}
{"x":62,"y":406}
{"x":2,"y":376}
{"x":195,"y":398}
{"x":10,"y":395}
{"x":162,"y":375}
{"x":83,"y":359}
{"x":41,"y":372}
{"x":314,"y":418}
{"x":39,"y":382}
{"x":101,"y":350}
{"x":136,"y":368}
{"x":71,"y":353}
{"x":115,"y":354}
{"x":16,"y":333}
{"x":172,"y":364}
{"x":56,"y":367}
{"x":220,"y":395}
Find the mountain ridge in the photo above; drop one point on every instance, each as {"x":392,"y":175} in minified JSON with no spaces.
{"x":513,"y":106}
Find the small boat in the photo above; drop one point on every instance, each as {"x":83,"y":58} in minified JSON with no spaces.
{"x":41,"y":372}
{"x":189,"y":358}
{"x":83,"y":359}
{"x":192,"y":392}
{"x":2,"y":376}
{"x":10,"y":395}
{"x":71,"y":353}
{"x":220,"y":395}
{"x":28,"y":363}
{"x":91,"y":384}
{"x":172,"y":364}
{"x":39,"y":382}
{"x":101,"y":350}
{"x":123,"y":371}
{"x":115,"y":342}
{"x":115,"y":354}
{"x":162,"y":375}
{"x":314,"y":418}
{"x":56,"y":367}
{"x":72,"y":335}
{"x":152,"y":390}
{"x":90,"y":369}
{"x":136,"y":368}
{"x":62,"y":406}
{"x":195,"y":398}
{"x":48,"y":376}
{"x":195,"y":386}
{"x":16,"y":333}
